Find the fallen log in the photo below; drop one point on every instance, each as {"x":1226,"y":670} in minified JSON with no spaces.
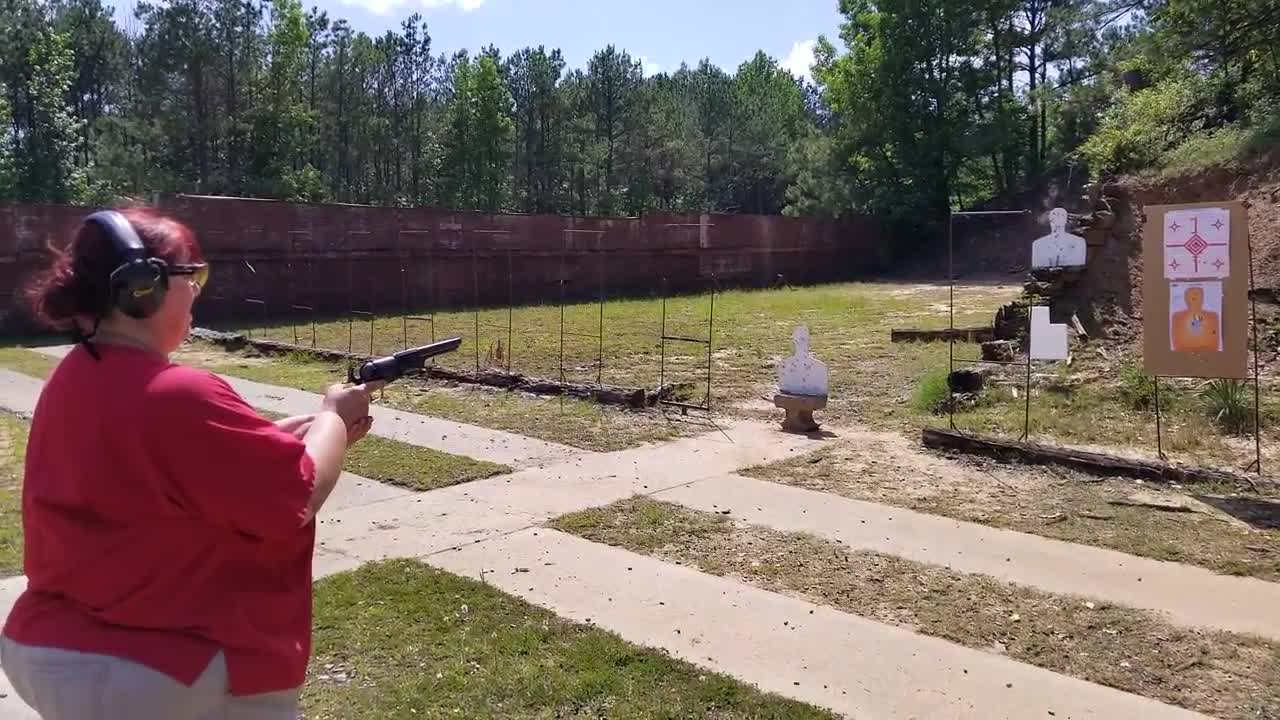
{"x":971,"y":334}
{"x":607,"y":394}
{"x":1083,"y":460}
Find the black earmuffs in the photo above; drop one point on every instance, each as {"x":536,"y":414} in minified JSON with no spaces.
{"x":138,"y":283}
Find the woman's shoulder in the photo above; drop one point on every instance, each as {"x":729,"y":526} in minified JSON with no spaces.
{"x":183,"y":382}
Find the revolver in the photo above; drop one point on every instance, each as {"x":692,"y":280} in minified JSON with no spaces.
{"x":393,"y":367}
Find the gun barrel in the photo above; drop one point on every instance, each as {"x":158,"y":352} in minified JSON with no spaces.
{"x":426,"y":351}
{"x":394,"y":366}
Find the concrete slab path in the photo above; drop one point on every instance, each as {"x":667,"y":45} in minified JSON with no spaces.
{"x":483,"y":509}
{"x":11,"y":706}
{"x":457,"y":438}
{"x":781,"y":644}
{"x":1184,"y":594}
{"x":18,"y":392}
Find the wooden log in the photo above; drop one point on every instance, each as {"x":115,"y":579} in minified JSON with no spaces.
{"x":1085,"y":461}
{"x":971,"y":334}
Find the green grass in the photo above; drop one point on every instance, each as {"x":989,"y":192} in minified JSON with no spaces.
{"x":849,"y":323}
{"x":931,"y":392}
{"x":411,"y":466}
{"x":414,"y":642}
{"x":576,"y":423}
{"x":873,"y":381}
{"x":13,"y":449}
{"x":27,"y":362}
{"x":752,"y":330}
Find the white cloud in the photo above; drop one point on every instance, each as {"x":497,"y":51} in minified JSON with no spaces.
{"x":650,"y":68}
{"x":800,"y":60}
{"x":385,"y":7}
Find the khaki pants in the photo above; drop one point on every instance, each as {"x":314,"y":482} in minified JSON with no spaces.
{"x":68,"y":685}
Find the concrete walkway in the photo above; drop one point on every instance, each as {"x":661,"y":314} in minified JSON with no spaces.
{"x":484,"y":509}
{"x":1184,"y":594}
{"x":18,"y":392}
{"x":457,"y":438}
{"x":11,"y":706}
{"x":782,"y":644}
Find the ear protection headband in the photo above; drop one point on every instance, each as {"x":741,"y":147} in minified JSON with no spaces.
{"x":138,"y":284}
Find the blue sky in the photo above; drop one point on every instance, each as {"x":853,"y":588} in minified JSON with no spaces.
{"x":663,"y":32}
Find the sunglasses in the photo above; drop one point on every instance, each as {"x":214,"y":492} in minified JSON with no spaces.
{"x":199,"y":273}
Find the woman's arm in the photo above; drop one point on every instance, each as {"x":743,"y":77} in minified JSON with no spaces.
{"x":238,"y":469}
{"x":343,"y":419}
{"x":326,"y":441}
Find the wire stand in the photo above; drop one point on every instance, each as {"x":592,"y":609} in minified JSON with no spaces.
{"x":475,"y":288}
{"x":262,"y":304}
{"x":1254,"y":465}
{"x":1257,"y":384}
{"x":598,"y":336}
{"x":294,"y":307}
{"x":353,"y":313}
{"x":664,"y":338}
{"x":407,"y":305}
{"x":951,"y":327}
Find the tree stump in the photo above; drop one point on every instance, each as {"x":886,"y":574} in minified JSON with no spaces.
{"x":999,"y":350}
{"x":799,"y":409}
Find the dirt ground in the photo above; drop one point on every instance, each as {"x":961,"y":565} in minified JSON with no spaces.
{"x":1213,"y":527}
{"x":1218,"y":673}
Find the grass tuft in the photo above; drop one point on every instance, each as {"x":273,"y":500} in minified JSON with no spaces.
{"x":408,"y":640}
{"x":411,"y":466}
{"x":13,"y":450}
{"x":27,"y":362}
{"x":931,"y":392}
{"x":1229,"y":404}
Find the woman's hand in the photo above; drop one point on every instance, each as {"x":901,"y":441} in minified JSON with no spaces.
{"x":350,"y":402}
{"x":357,"y":431}
{"x":296,"y":425}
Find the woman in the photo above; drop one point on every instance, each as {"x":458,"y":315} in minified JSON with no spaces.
{"x":168,"y":527}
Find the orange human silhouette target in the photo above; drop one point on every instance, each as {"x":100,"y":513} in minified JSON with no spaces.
{"x":1195,"y":317}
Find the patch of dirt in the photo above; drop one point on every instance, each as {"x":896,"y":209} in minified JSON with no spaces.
{"x":1219,"y":673}
{"x":1041,"y":500}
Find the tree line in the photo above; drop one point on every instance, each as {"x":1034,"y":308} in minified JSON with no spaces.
{"x":924,"y":105}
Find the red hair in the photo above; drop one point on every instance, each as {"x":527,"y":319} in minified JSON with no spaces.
{"x":76,"y":283}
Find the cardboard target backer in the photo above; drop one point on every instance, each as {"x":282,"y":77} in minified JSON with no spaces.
{"x":1195,"y":300}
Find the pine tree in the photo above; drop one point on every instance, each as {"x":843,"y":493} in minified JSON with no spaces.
{"x":45,"y":162}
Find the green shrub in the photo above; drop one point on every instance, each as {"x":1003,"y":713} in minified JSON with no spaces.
{"x":1231,"y":144}
{"x":1229,"y":403}
{"x":1137,"y":388}
{"x":1219,"y":147}
{"x":931,"y":392}
{"x":1140,"y":127}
